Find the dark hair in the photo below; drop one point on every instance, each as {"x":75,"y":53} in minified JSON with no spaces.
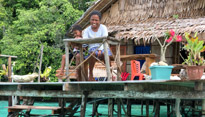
{"x":96,"y":13}
{"x":76,"y":27}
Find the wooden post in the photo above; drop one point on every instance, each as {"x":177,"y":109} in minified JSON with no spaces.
{"x":177,"y":107}
{"x":129,"y":105}
{"x":118,"y":108}
{"x":65,"y":86}
{"x":147,"y":108}
{"x":83,"y":104}
{"x":62,"y":104}
{"x":118,"y":62}
{"x":203,"y":108}
{"x":67,"y":59}
{"x":95,"y":109}
{"x":107,"y":61}
{"x":9,"y":69}
{"x":83,"y":75}
{"x":110,"y":107}
{"x":142,"y":107}
{"x":157,"y":109}
{"x":168,"y":108}
{"x":39,"y":72}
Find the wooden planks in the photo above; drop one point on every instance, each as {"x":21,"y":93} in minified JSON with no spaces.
{"x":17,"y":108}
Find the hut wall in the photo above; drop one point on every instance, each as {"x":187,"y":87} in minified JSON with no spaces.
{"x":132,"y":11}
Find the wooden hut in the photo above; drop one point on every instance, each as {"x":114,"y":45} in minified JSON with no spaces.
{"x":138,"y":21}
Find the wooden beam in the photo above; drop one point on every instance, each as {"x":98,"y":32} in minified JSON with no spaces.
{"x":86,"y":40}
{"x":110,"y":94}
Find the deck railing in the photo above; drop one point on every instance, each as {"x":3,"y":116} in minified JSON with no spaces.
{"x":104,"y":41}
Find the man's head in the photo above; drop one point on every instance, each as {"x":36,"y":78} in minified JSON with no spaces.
{"x":77,"y":31}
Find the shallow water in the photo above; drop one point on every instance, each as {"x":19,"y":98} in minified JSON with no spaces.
{"x":102,"y":109}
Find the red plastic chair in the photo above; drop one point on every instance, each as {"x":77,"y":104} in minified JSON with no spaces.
{"x":135,"y":68}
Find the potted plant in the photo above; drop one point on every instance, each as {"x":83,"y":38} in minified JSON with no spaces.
{"x":195,"y":62}
{"x":162,"y":70}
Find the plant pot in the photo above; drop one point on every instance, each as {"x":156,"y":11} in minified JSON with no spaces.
{"x":161,"y":72}
{"x":195,"y":72}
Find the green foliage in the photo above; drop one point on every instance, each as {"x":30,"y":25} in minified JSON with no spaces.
{"x":37,"y":23}
{"x":194,"y":47}
{"x":81,"y":4}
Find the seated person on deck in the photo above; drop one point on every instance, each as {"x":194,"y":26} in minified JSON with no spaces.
{"x":96,"y":29}
{"x":77,"y":31}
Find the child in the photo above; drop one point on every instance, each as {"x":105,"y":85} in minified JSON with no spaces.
{"x":77,"y":31}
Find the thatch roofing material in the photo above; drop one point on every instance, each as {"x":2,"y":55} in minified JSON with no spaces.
{"x":144,"y":19}
{"x":157,"y":27}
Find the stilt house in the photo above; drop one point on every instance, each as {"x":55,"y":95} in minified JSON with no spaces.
{"x":138,"y":21}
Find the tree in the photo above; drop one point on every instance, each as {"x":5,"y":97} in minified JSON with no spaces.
{"x":34,"y":27}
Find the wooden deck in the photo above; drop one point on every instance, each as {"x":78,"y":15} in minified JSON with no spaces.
{"x":146,"y":89}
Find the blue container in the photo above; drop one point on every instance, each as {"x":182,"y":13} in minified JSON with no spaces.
{"x":161,"y":72}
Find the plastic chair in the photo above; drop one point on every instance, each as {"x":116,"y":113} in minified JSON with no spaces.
{"x":135,"y":69}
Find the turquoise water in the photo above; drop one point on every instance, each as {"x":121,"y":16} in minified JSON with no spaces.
{"x":103,"y":109}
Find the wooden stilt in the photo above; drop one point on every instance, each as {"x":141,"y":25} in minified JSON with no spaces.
{"x":142,"y":107}
{"x":110,"y":107}
{"x":147,"y":108}
{"x":157,"y":109}
{"x":62,"y":105}
{"x":203,"y":108}
{"x":95,"y":109}
{"x":168,"y":108}
{"x":129,"y":105}
{"x":193,"y":107}
{"x":177,"y":107}
{"x":83,"y":104}
{"x":118,"y":108}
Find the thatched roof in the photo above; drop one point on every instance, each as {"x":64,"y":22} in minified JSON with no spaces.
{"x":144,"y":19}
